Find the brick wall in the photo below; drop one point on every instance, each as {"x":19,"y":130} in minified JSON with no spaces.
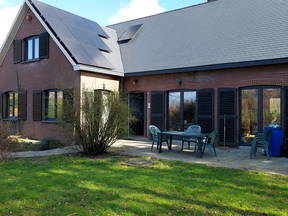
{"x":53,"y":73}
{"x":276,"y":75}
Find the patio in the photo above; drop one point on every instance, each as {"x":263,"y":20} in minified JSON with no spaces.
{"x":237,"y":158}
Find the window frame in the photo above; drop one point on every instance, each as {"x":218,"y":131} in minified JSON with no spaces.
{"x":8,"y":105}
{"x":260,"y":96}
{"x":45,"y":104}
{"x":26,"y":50}
{"x":181,"y":91}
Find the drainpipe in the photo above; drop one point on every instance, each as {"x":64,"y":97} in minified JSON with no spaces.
{"x":224,"y":130}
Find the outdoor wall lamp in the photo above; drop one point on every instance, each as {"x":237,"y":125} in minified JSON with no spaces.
{"x":179,"y":82}
{"x":29,"y":17}
{"x":135,"y":82}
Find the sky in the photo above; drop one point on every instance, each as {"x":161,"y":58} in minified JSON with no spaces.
{"x":104,"y":12}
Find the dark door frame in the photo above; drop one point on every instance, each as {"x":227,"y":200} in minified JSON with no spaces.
{"x":260,"y":105}
{"x":181,"y":106}
{"x":145,"y":102}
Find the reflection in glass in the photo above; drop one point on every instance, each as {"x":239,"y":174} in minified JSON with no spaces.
{"x":51,"y":105}
{"x":174,"y":111}
{"x":59,"y":105}
{"x":36,"y":48}
{"x":16,"y":99}
{"x":249,"y":115}
{"x":271,"y":106}
{"x":189,"y":108}
{"x":30,"y":49}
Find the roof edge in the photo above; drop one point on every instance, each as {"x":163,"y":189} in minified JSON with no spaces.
{"x":211,"y":67}
{"x":165,"y":12}
{"x":47,"y":28}
{"x":13,"y":31}
{"x":81,"y":67}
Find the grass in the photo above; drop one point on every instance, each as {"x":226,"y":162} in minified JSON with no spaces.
{"x":72,"y":186}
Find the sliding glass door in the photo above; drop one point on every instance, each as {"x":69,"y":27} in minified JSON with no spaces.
{"x":174,"y":110}
{"x":271,"y":106}
{"x":249,"y":114}
{"x":182,"y":109}
{"x":260,"y":107}
{"x":189,"y":108}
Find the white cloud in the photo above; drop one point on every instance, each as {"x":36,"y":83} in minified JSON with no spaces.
{"x":136,"y":9}
{"x":7,"y":15}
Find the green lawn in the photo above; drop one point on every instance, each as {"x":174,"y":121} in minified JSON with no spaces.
{"x":82,"y":186}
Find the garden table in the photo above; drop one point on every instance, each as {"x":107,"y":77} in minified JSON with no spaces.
{"x":171,"y":134}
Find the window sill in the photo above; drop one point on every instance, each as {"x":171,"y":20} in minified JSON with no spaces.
{"x":30,"y":61}
{"x":50,"y":121}
{"x":11,"y":119}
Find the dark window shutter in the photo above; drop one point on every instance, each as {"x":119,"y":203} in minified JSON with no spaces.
{"x":68,"y":104}
{"x":1,"y":105}
{"x":23,"y":105}
{"x":17,"y":45}
{"x":158,"y":99}
{"x":44,"y":45}
{"x":227,"y":116}
{"x":37,"y":105}
{"x":145,"y":113}
{"x":205,"y":104}
{"x":4,"y":105}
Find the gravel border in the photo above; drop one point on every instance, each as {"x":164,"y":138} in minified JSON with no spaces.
{"x":53,"y":152}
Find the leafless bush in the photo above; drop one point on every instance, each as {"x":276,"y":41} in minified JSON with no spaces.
{"x":101,"y":121}
{"x":7,"y":143}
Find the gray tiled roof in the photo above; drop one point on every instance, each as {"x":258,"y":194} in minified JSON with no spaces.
{"x":89,"y":43}
{"x":216,"y":33}
{"x":219,"y":32}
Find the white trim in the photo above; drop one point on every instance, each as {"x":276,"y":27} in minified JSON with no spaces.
{"x":80,"y":67}
{"x":12,"y":32}
{"x":73,"y":63}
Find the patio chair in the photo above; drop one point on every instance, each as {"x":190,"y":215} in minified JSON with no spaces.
{"x":210,"y":142}
{"x":194,"y":129}
{"x":261,"y":140}
{"x":155,"y":136}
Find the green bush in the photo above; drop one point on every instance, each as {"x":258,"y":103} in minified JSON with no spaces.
{"x":49,"y":143}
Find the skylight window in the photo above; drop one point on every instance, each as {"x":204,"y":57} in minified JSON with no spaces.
{"x":130,"y":33}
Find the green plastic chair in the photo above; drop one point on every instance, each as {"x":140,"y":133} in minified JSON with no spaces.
{"x":194,"y":129}
{"x":262,"y":140}
{"x":155,"y":136}
{"x":210,"y":142}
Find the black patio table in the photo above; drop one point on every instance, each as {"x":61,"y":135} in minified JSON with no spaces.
{"x":171,"y":134}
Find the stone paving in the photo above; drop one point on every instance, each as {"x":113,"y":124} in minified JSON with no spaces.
{"x":237,"y":158}
{"x":230,"y":158}
{"x":33,"y":154}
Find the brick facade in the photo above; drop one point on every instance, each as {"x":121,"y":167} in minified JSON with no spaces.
{"x":274,"y":75}
{"x":56,"y":72}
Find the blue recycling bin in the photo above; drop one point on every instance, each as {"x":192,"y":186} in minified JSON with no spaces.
{"x":276,"y":142}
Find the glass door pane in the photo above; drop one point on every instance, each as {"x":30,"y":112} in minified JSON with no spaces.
{"x":271,"y":106}
{"x":249,"y":115}
{"x":189,"y":108}
{"x":174,"y":110}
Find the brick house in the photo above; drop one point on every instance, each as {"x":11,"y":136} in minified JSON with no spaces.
{"x":220,"y":64}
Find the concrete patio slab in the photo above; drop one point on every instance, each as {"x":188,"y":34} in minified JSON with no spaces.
{"x":237,"y":158}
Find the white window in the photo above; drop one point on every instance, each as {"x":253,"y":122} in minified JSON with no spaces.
{"x":32,"y":48}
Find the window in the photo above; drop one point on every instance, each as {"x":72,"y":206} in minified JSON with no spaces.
{"x":182,"y":109}
{"x":11,"y":101}
{"x":53,"y":101}
{"x":32,"y":48}
{"x":260,"y":107}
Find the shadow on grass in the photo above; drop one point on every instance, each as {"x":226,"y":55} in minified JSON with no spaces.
{"x":66,"y":185}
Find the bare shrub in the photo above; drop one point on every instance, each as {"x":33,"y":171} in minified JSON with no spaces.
{"x":7,"y":142}
{"x":102,"y":120}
